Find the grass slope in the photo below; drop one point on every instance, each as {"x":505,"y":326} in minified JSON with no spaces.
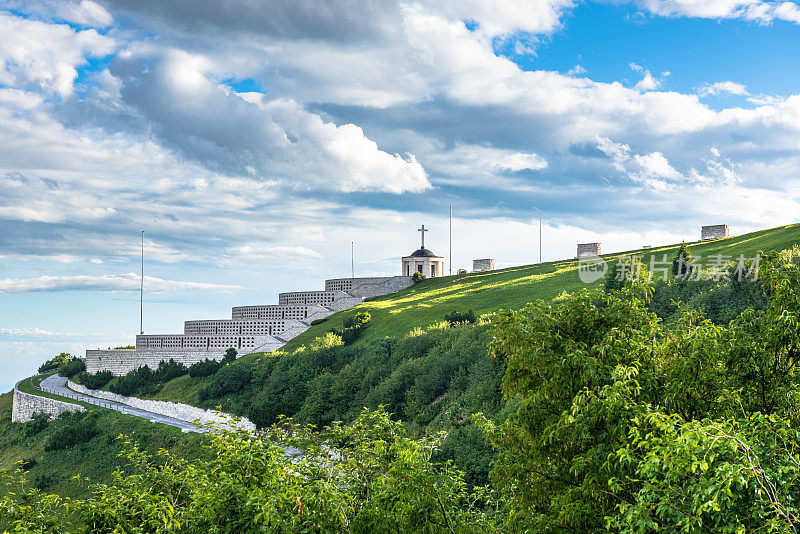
{"x":6,"y":401}
{"x":427,"y":302}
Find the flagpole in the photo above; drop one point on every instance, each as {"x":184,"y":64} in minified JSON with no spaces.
{"x":451,"y":239}
{"x":141,"y":292}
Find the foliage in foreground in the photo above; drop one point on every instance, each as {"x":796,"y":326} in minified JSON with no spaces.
{"x":628,"y":424}
{"x":367,"y":477}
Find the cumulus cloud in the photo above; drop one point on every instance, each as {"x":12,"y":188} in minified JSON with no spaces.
{"x":723,"y":88}
{"x":482,"y":162}
{"x":84,"y":13}
{"x":648,"y":81}
{"x":756,"y":10}
{"x":250,"y":135}
{"x":109,"y":282}
{"x":42,"y":55}
{"x":650,"y":169}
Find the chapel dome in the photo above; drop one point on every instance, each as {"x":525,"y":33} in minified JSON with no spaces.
{"x":423,"y":253}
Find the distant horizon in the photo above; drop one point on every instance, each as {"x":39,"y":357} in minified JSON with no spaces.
{"x":253,"y":145}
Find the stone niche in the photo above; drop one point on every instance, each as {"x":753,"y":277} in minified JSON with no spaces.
{"x":589,"y":249}
{"x":485,"y":264}
{"x":715,"y":231}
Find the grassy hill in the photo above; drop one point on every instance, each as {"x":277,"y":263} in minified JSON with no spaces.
{"x":427,"y":302}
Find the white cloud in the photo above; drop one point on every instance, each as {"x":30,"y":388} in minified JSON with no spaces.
{"x":259,"y":253}
{"x":652,"y":169}
{"x":648,"y":81}
{"x":507,"y":16}
{"x":109,"y":282}
{"x":42,"y":55}
{"x":463,"y":161}
{"x":755,"y":10}
{"x":722,"y":88}
{"x":84,"y":13}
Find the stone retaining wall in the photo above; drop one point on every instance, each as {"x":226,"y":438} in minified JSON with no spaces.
{"x":121,"y":362}
{"x":25,"y":405}
{"x":369,"y":287}
{"x":176,"y":410}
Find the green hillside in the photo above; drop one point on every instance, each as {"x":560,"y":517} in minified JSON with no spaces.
{"x":428,"y":301}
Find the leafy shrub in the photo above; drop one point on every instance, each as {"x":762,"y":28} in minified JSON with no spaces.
{"x":133,"y":382}
{"x":229,"y":379}
{"x":27,"y":464}
{"x":55,"y":362}
{"x":72,"y":368}
{"x":318,"y":321}
{"x":417,"y":277}
{"x":230,"y":355}
{"x":97,"y":380}
{"x":461,"y":272}
{"x":144,"y":381}
{"x":44,"y":481}
{"x":167,"y":371}
{"x":455,"y":317}
{"x":37,"y":423}
{"x":81,"y":429}
{"x":354,"y":326}
{"x":359,"y":319}
{"x":205,"y":368}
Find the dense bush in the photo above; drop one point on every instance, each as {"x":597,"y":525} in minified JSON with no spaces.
{"x":72,"y":368}
{"x":455,"y":317}
{"x":353,"y":327}
{"x":27,"y":464}
{"x":97,"y":380}
{"x":417,"y":276}
{"x":205,"y":368}
{"x":144,"y":381}
{"x":318,"y":321}
{"x":229,"y":379}
{"x":230,"y":355}
{"x":82,"y":429}
{"x":37,"y":423}
{"x":365,"y":477}
{"x":55,"y":362}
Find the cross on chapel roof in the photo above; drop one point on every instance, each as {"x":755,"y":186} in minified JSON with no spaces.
{"x":423,"y":230}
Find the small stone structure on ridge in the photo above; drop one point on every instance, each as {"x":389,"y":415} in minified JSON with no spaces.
{"x":486,"y":264}
{"x":716,"y":231}
{"x":589,"y":249}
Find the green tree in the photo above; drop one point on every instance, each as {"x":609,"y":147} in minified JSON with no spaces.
{"x":574,"y":369}
{"x":230,"y":355}
{"x":681,"y":265}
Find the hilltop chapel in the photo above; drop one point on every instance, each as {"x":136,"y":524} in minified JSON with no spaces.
{"x":423,"y":261}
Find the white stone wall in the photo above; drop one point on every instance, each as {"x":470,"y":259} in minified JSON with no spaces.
{"x":181,"y":342}
{"x":121,"y":362}
{"x":300,"y":312}
{"x":176,"y":410}
{"x":323,"y":298}
{"x":430,"y":266}
{"x":25,"y":405}
{"x":268,"y":327}
{"x":486,"y":264}
{"x":716,"y":231}
{"x":369,"y":287}
{"x":589,"y":249}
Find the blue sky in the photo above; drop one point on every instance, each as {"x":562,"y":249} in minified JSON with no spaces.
{"x":254,"y":144}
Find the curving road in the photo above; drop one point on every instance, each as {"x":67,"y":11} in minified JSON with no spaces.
{"x":57,"y":385}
